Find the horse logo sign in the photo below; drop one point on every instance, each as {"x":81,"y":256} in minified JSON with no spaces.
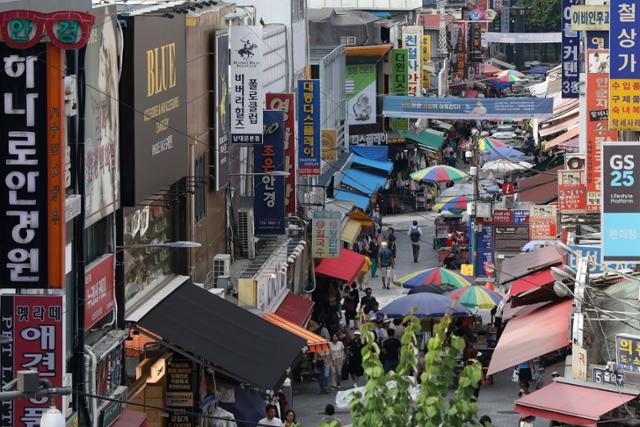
{"x":247,"y":49}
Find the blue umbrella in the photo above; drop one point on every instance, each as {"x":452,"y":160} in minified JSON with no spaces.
{"x":425,"y":305}
{"x":502,"y":152}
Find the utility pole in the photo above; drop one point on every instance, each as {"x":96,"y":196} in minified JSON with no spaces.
{"x":582,"y":267}
{"x":476,"y":196}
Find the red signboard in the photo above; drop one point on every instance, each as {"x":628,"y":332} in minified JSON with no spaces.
{"x":285,"y":102}
{"x":99,"y":291}
{"x":35,"y":324}
{"x":572,"y":193}
{"x":502,"y":217}
{"x":597,"y":121}
{"x":543,"y":222}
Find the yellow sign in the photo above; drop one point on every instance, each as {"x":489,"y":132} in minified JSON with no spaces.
{"x":578,"y":363}
{"x":329,"y":139}
{"x":426,"y":61}
{"x":589,"y":18}
{"x":624,"y":108}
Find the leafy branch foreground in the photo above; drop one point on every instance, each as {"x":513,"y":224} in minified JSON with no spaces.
{"x":382,"y":406}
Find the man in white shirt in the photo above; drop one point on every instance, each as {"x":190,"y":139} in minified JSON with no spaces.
{"x":271,"y":419}
{"x":415,"y":234}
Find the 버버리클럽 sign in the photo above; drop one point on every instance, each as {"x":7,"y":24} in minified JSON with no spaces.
{"x":325,"y":234}
{"x":309,"y":150}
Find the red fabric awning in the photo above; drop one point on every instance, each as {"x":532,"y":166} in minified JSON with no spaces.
{"x":471,"y":93}
{"x":571,"y":403}
{"x":295,"y":309}
{"x":527,"y":337}
{"x":532,"y":281}
{"x":345,"y":268}
{"x":131,"y":418}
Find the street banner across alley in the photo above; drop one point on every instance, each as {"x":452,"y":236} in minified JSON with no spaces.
{"x":399,"y":82}
{"x":570,"y":56}
{"x":325,"y":234}
{"x":360,"y":91}
{"x":412,"y":41}
{"x":285,"y":102}
{"x":309,"y":127}
{"x":620,"y":202}
{"x":543,"y":222}
{"x":246,"y":83}
{"x":624,"y":80}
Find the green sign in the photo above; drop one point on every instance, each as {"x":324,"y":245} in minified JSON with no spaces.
{"x":360,"y":91}
{"x":399,"y":82}
{"x":110,"y":414}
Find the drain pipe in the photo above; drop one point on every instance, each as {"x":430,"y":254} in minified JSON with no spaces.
{"x":91,"y":366}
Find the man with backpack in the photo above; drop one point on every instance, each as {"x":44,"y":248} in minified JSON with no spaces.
{"x":386,"y":262}
{"x":415,"y":234}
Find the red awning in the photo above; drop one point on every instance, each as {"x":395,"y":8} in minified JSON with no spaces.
{"x":532,"y":281}
{"x":527,"y":337}
{"x":131,"y":418}
{"x":345,"y":268}
{"x":539,"y":189}
{"x":296,"y":309}
{"x":571,"y":403}
{"x":490,"y":69}
{"x":471,"y":93}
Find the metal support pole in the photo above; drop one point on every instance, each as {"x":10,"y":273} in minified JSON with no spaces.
{"x":582,"y":266}
{"x":476,"y":197}
{"x":46,"y":392}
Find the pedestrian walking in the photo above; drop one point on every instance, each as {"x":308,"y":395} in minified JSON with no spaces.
{"x":368,"y":301}
{"x":351,"y":298}
{"x":386,"y":261}
{"x":337,"y":361}
{"x":391,"y":240}
{"x":290,"y":418}
{"x":354,"y":359}
{"x":271,"y":419}
{"x":322,"y":367}
{"x":391,"y":351}
{"x":374,"y":249}
{"x":415,"y":235}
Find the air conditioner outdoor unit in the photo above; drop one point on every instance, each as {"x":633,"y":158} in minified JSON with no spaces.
{"x":246,"y":233}
{"x":221,"y":267}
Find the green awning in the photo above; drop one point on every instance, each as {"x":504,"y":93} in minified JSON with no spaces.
{"x":443,"y":125}
{"x":430,"y":139}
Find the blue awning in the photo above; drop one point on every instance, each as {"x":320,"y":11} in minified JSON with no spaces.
{"x":385,"y":167}
{"x":376,"y":152}
{"x":381,"y":14}
{"x":361,"y":202}
{"x":364,"y":182}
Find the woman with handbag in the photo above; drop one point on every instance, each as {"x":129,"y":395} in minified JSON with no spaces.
{"x":322,"y":366}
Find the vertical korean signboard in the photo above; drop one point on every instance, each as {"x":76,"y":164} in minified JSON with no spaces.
{"x":325,"y":230}
{"x":399,"y":82}
{"x":597,"y":121}
{"x":35,"y":324}
{"x":23,"y":193}
{"x":268,"y":200}
{"x":309,"y":127}
{"x":624,"y":81}
{"x":572,"y":198}
{"x":620,"y":202}
{"x":329,"y":144}
{"x":426,"y":61}
{"x":412,"y":41}
{"x":284,"y":102}
{"x":360,"y":91}
{"x":570,"y":47}
{"x":543,"y":222}
{"x":246,"y":84}
{"x":221,"y":108}
{"x":99,"y":290}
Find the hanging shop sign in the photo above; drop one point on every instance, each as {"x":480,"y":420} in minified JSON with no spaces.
{"x":602,"y":375}
{"x":597,"y":39}
{"x":99,"y":290}
{"x":460,"y":47}
{"x":628,"y":353}
{"x":35,"y":325}
{"x":180,"y":383}
{"x":246,"y":83}
{"x":570,"y":53}
{"x":109,"y":371}
{"x":222,"y":111}
{"x":593,"y":254}
{"x":399,"y":82}
{"x":589,"y":18}
{"x":578,"y":362}
{"x":572,"y":193}
{"x":24,"y":193}
{"x":620,"y":202}
{"x":329,"y":143}
{"x":510,"y":238}
{"x":153,"y":143}
{"x":485,"y":250}
{"x":285,"y":102}
{"x":624,"y":90}
{"x":268,"y":200}
{"x":379,"y":138}
{"x":101,"y":118}
{"x":325,"y":234}
{"x":426,"y":61}
{"x":597,"y":122}
{"x":543,"y":222}
{"x":309,"y":127}
{"x":412,"y":41}
{"x":360,"y":91}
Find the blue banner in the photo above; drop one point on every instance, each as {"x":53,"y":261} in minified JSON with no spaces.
{"x":485,"y":249}
{"x":628,"y":353}
{"x":309,"y":127}
{"x":594,"y":256}
{"x":268,"y":200}
{"x":520,"y":216}
{"x":413,"y":107}
{"x":625,"y":31}
{"x":570,"y":53}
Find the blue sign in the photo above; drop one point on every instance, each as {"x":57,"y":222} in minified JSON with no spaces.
{"x":520,"y":216}
{"x":309,"y":127}
{"x":625,"y":31}
{"x":485,"y":249}
{"x":268,"y":200}
{"x":628,"y":353}
{"x":414,"y":107}
{"x":597,"y":39}
{"x":594,"y":256}
{"x":570,"y":53}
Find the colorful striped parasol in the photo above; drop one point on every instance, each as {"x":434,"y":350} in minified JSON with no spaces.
{"x":475,"y":296}
{"x":439,"y":173}
{"x":485,"y":144}
{"x":453,"y":202}
{"x":433,"y":276}
{"x":509,"y":76}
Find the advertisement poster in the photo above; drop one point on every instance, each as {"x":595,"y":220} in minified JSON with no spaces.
{"x":309,"y":127}
{"x":23,"y":193}
{"x":620,"y":202}
{"x":268,"y":200}
{"x":570,"y":53}
{"x":628,"y":353}
{"x":246,"y":83}
{"x":35,"y":324}
{"x":399,"y":82}
{"x":467,"y":109}
{"x":99,"y":290}
{"x":325,"y":234}
{"x":578,"y":362}
{"x":101,"y":118}
{"x":624,"y":86}
{"x":222,"y":118}
{"x":572,"y":193}
{"x":543,"y":222}
{"x":412,"y":41}
{"x":597,"y":122}
{"x":180,"y":383}
{"x":285,"y":102}
{"x":329,"y":141}
{"x":360,"y":91}
{"x":485,"y":250}
{"x":426,"y":61}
